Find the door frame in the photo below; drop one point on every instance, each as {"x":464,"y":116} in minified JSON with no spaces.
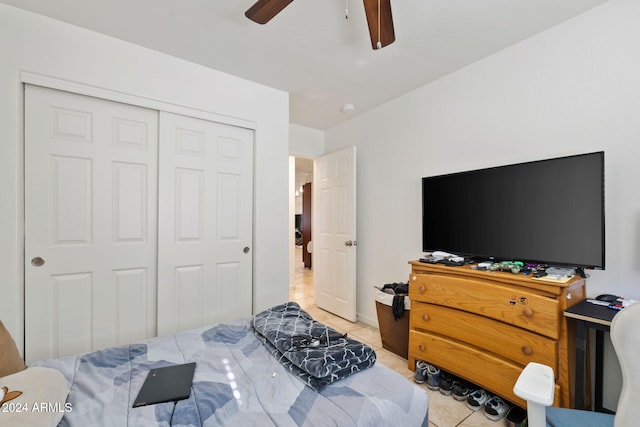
{"x":27,"y":77}
{"x":292,"y":212}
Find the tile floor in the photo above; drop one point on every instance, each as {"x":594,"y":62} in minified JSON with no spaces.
{"x":444,"y":411}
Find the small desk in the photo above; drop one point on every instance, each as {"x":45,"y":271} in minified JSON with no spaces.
{"x":597,"y":317}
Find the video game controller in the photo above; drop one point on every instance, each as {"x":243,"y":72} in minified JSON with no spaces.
{"x":513,"y":266}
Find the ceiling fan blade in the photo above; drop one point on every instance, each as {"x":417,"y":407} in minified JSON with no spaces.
{"x":263,"y":10}
{"x":380,"y":29}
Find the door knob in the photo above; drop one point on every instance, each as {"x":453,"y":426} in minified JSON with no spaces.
{"x":246,"y":249}
{"x":37,"y":262}
{"x":350,"y":243}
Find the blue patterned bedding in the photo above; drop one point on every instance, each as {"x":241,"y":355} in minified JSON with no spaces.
{"x":236,"y":382}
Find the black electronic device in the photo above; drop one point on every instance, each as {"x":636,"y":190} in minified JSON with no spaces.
{"x":546,"y":211}
{"x":166,"y":384}
{"x":608,"y":298}
{"x":452,"y":263}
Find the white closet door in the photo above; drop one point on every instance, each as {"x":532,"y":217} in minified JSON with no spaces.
{"x":205,"y":223}
{"x":90,"y":223}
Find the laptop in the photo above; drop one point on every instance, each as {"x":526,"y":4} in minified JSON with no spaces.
{"x":167,"y":384}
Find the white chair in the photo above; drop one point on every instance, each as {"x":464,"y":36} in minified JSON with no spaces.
{"x":536,"y":384}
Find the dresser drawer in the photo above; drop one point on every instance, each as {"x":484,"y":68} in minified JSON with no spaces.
{"x":510,"y":342}
{"x":491,"y":372}
{"x":514,"y":305}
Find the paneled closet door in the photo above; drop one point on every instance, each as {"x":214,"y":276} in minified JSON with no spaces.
{"x":90,"y":223}
{"x":205,"y":223}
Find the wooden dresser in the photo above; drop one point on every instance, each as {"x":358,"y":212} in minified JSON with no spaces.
{"x":485,"y":326}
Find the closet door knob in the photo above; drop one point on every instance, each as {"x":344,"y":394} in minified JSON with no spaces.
{"x":37,"y":262}
{"x":246,"y":249}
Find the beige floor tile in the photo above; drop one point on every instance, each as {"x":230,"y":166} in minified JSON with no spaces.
{"x":368,"y":335}
{"x":343,"y":325}
{"x":305,"y":303}
{"x":477,"y":419}
{"x":296,"y":294}
{"x":445,"y":411}
{"x":319,"y":314}
{"x":393,"y":361}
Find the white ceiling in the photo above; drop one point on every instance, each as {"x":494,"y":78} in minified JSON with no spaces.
{"x":311,"y":51}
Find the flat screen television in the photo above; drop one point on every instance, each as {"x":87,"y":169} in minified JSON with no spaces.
{"x":547,"y":212}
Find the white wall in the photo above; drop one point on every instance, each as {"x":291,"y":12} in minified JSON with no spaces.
{"x":572,"y":89}
{"x":32,"y":43}
{"x":305,"y":142}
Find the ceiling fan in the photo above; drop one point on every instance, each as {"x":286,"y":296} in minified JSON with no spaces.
{"x":378,"y":14}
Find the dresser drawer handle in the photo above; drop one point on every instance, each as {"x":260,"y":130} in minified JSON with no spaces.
{"x":422,"y":289}
{"x":527,"y":350}
{"x":527,"y":312}
{"x":425,"y":317}
{"x":421,"y":347}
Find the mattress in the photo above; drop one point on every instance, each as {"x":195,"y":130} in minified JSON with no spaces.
{"x":237,"y":381}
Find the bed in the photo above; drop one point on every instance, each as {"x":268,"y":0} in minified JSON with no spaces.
{"x":248,"y":372}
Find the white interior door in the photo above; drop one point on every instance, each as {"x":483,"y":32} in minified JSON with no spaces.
{"x":90,"y":223}
{"x":334,"y":233}
{"x":205,"y":222}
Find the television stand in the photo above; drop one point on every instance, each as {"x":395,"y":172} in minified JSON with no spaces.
{"x":486,"y":326}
